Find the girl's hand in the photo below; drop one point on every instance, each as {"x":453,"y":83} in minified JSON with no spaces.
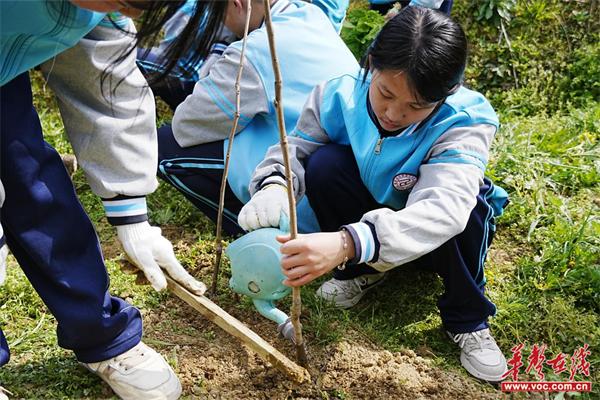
{"x":309,"y":256}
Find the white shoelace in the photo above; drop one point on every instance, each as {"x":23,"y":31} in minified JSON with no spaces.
{"x":475,"y":340}
{"x":126,"y":361}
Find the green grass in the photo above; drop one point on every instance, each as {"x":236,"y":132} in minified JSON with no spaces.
{"x":544,"y":276}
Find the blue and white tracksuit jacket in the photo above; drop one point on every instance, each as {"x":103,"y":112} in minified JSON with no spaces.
{"x":309,"y":51}
{"x":428,"y":175}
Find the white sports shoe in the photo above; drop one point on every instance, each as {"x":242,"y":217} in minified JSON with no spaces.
{"x":480,"y":355}
{"x":346,"y":293}
{"x":138,"y":374}
{"x":3,"y":393}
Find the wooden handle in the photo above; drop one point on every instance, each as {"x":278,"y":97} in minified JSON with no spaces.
{"x":236,"y":328}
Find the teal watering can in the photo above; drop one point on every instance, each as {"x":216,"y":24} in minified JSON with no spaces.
{"x":256,"y":272}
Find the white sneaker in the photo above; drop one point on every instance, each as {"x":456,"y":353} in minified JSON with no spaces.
{"x":3,"y":393}
{"x":480,"y":355}
{"x":346,"y":293}
{"x":138,"y":374}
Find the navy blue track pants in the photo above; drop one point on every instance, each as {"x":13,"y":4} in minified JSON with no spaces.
{"x":52,"y":238}
{"x":196,"y":171}
{"x":338,"y":196}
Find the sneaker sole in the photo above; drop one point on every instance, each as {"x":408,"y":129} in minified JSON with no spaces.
{"x":174,"y":393}
{"x":473,"y":371}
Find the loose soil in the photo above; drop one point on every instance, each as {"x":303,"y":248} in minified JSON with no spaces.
{"x":213,"y":365}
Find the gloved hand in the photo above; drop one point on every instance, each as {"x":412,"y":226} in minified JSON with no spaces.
{"x":265,"y":208}
{"x":149,"y":251}
{"x":3,"y":254}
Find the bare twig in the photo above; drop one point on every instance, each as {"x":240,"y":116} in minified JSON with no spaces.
{"x":510,"y":50}
{"x":296,"y":297}
{"x":236,"y":118}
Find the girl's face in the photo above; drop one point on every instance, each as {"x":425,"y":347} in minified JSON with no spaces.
{"x":125,"y":7}
{"x":393,"y":101}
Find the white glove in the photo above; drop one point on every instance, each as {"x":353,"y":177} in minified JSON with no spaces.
{"x":3,"y":254}
{"x":149,"y":251}
{"x":265,"y":208}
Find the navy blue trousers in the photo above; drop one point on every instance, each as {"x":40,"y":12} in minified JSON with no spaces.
{"x":383,"y":8}
{"x":338,"y":196}
{"x":55,"y":243}
{"x":196,"y":172}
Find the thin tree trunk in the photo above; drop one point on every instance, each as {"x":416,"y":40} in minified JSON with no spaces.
{"x":296,"y":297}
{"x":219,"y":239}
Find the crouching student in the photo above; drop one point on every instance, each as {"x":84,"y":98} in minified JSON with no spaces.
{"x":393,"y":165}
{"x":191,"y":151}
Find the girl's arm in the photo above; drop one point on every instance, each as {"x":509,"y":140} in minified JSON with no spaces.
{"x":269,"y":200}
{"x":207,"y":114}
{"x":304,"y":140}
{"x":111,"y":126}
{"x":109,"y":117}
{"x":438,"y":207}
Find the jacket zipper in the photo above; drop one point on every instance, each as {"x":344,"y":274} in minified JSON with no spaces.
{"x":378,"y":145}
{"x":371,"y":162}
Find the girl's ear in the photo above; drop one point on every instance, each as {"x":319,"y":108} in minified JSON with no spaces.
{"x":239,"y":5}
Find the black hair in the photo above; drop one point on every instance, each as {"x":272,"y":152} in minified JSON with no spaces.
{"x":193,"y":42}
{"x":427,"y":45}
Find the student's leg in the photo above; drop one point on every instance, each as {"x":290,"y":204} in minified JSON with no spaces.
{"x":446,"y":6}
{"x":383,"y":8}
{"x":463,"y":306}
{"x":52,"y":238}
{"x":4,"y":351}
{"x":338,"y":196}
{"x":460,"y":262}
{"x":197,"y":172}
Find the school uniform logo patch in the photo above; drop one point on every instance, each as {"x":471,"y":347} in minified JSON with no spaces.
{"x":404,"y":182}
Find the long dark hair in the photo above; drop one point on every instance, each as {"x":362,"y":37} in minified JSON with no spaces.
{"x":195,"y":39}
{"x":427,"y":45}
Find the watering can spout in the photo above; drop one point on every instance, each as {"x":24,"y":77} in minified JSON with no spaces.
{"x":267,"y":309}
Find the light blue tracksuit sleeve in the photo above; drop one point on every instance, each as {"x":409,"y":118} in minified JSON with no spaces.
{"x":33,"y":31}
{"x":305,"y":139}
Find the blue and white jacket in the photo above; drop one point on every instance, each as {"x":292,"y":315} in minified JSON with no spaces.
{"x":309,"y":51}
{"x":428,"y":176}
{"x":34,"y":31}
